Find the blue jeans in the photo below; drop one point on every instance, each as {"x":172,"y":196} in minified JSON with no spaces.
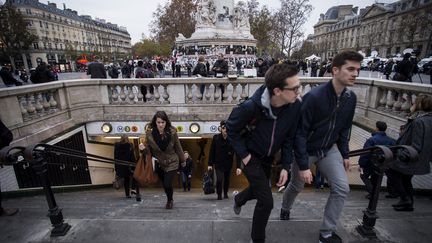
{"x":186,"y":181}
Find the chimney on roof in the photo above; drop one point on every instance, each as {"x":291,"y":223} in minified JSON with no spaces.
{"x":355,"y":10}
{"x":64,"y":6}
{"x":54,"y":5}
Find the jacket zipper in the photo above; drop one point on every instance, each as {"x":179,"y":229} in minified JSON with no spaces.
{"x":272,"y":138}
{"x":332,"y":127}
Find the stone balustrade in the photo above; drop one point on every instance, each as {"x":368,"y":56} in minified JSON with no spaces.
{"x":38,"y":112}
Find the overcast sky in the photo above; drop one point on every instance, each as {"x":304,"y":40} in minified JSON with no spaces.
{"x":136,"y":15}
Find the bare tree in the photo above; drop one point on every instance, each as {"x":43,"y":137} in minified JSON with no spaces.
{"x":175,"y":17}
{"x":289,"y":21}
{"x":371,"y":35}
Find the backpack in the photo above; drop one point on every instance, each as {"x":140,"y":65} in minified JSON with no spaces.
{"x":208,"y":186}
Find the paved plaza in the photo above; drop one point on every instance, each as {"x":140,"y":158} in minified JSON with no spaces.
{"x":104,"y":215}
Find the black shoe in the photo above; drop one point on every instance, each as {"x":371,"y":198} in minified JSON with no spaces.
{"x":188,"y":189}
{"x":138,"y":199}
{"x":226,"y":196}
{"x":407,"y":208}
{"x":236,"y":208}
{"x":219,"y":197}
{"x":402,"y":203}
{"x":334,"y":238}
{"x":284,"y":215}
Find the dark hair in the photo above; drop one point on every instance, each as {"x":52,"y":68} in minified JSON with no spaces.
{"x":424,"y":102}
{"x":222,"y":123}
{"x":340,"y":59}
{"x":140,"y":63}
{"x":162,"y":115}
{"x":277,"y":74}
{"x":382,"y":126}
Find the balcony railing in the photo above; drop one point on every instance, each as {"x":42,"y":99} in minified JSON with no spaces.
{"x":37,"y":112}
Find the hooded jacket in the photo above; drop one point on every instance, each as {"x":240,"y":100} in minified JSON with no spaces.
{"x":317,"y":105}
{"x":271,"y":133}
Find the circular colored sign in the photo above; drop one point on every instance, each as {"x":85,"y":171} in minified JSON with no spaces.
{"x":179,"y":129}
{"x":119,"y":129}
{"x":134,"y":129}
{"x":213,"y":128}
{"x":127,"y":129}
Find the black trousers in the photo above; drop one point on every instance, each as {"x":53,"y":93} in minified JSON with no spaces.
{"x":402,"y":184}
{"x":258,"y":174}
{"x":222,"y":177}
{"x":127,"y":185}
{"x":167,"y":180}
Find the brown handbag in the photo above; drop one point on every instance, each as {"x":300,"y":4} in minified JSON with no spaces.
{"x":150,"y":176}
{"x":139,"y":171}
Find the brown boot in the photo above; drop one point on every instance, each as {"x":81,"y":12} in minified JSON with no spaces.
{"x":8,"y":212}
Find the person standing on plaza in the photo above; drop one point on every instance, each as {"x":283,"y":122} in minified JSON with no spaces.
{"x":220,"y":67}
{"x":123,"y":150}
{"x":113,"y":71}
{"x":388,"y":69}
{"x":42,"y":74}
{"x":96,"y":70}
{"x":126,"y":70}
{"x":186,"y":171}
{"x":201,"y":70}
{"x":416,"y":133}
{"x":403,"y":70}
{"x":164,"y":144}
{"x":314,"y":68}
{"x":379,"y":137}
{"x":257,"y":129}
{"x":161,"y":68}
{"x":322,"y":138}
{"x":7,"y":77}
{"x":222,"y":158}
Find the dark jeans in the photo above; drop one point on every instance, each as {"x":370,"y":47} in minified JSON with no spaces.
{"x":167,"y":180}
{"x":186,"y":181}
{"x":127,"y":185}
{"x":222,"y":177}
{"x":258,"y":175}
{"x":402,"y":184}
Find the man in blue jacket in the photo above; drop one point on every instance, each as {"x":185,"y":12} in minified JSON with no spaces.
{"x":322,"y":138}
{"x":257,"y":129}
{"x":379,"y":137}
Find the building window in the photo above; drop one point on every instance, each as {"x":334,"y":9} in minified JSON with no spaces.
{"x":40,"y":23}
{"x":61,"y":46}
{"x":35,"y":45}
{"x":28,"y":11}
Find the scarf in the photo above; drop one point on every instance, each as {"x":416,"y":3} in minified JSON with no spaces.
{"x":162,"y":142}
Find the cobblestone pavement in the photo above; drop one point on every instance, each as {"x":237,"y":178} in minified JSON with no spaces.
{"x":104,"y":215}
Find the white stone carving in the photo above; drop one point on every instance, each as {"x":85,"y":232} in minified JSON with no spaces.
{"x":206,"y":13}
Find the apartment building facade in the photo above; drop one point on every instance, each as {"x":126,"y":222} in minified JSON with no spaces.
{"x":64,"y":36}
{"x":387,"y":29}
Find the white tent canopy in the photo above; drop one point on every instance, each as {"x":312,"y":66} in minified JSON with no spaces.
{"x":313,"y":56}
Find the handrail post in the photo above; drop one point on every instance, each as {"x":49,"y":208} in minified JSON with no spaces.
{"x":39,"y":163}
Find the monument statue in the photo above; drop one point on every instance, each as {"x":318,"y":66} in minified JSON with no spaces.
{"x":241,"y":18}
{"x":206,"y":13}
{"x":221,"y":27}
